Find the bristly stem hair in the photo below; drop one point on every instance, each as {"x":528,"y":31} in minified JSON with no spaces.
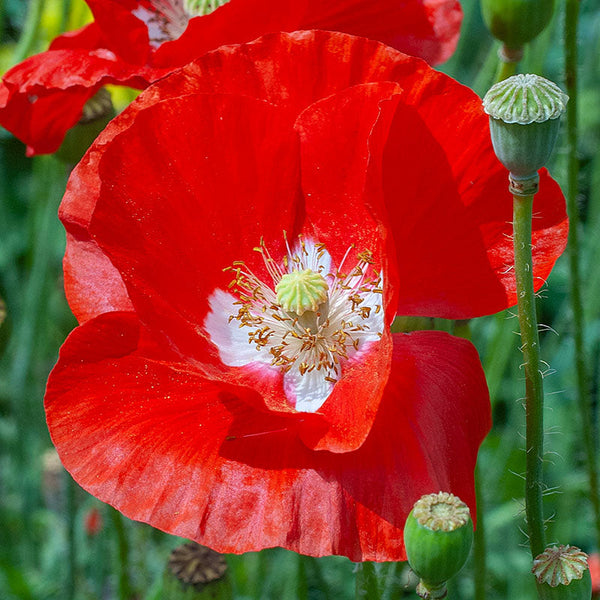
{"x":534,"y":392}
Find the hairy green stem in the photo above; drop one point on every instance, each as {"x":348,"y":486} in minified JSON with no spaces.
{"x":583,"y":390}
{"x":30,"y":30}
{"x":534,"y":393}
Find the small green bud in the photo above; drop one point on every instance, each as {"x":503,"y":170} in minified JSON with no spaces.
{"x":437,"y":535}
{"x":516,"y":22}
{"x":562,"y":573}
{"x":524,"y":115}
{"x":301,"y":291}
{"x":97,"y":112}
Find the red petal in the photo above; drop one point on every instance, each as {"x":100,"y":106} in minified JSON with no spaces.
{"x":92,"y":284}
{"x":42,"y":98}
{"x":449,"y":208}
{"x":178,"y":204}
{"x":108,"y":290}
{"x":335,"y":134}
{"x":88,"y":37}
{"x":168,"y":447}
{"x":336,"y":157}
{"x":122,"y":32}
{"x":428,"y":29}
{"x":290,"y":70}
{"x":293,"y":70}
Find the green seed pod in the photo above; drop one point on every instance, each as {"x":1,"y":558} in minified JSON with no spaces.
{"x":562,"y":573}
{"x":437,"y":535}
{"x":516,"y":22}
{"x":524,"y":115}
{"x":97,"y":112}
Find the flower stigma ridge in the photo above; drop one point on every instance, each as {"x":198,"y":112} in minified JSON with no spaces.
{"x":311,"y":344}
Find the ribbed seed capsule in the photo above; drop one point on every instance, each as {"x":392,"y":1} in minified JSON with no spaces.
{"x":301,"y":291}
{"x":562,"y":573}
{"x":524,"y":115}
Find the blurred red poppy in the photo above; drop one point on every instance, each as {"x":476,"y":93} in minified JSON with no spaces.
{"x":194,"y":396}
{"x":594,"y":566}
{"x":135,"y":42}
{"x":93,"y":521}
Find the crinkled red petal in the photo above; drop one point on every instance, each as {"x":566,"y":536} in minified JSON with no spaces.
{"x":44,"y":95}
{"x":122,"y":31}
{"x":425,"y":28}
{"x":428,"y":29}
{"x":193,"y":457}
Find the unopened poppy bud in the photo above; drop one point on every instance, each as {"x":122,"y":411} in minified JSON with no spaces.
{"x":516,"y":22}
{"x":97,"y":112}
{"x":524,"y":115}
{"x":437,"y":535}
{"x":562,"y":573}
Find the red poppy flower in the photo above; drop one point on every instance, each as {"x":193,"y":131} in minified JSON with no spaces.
{"x":199,"y":394}
{"x":135,"y":42}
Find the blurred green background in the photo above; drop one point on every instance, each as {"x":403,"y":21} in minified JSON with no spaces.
{"x":49,"y":549}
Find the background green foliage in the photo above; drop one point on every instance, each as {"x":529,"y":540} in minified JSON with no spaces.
{"x":45,"y":551}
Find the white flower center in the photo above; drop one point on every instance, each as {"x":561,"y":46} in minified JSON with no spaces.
{"x":310,"y":347}
{"x":167,"y":19}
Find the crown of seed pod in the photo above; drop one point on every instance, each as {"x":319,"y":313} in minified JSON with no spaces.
{"x":524,"y":115}
{"x":562,"y":573}
{"x":195,"y":571}
{"x":437,"y":535}
{"x":516,"y":22}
